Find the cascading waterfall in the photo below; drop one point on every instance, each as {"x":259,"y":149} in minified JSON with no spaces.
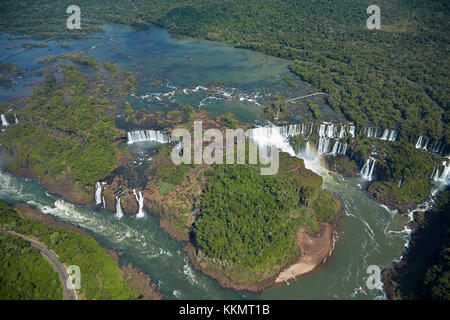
{"x":16,"y":121}
{"x":323,"y":145}
{"x":104,"y":202}
{"x":436,"y":146}
{"x":293,"y":130}
{"x":310,"y":131}
{"x":435,"y":175}
{"x":426,"y":144}
{"x":335,"y":149}
{"x":98,"y":193}
{"x":271,"y":136}
{"x":367,"y":169}
{"x":344,"y":149}
{"x":308,"y":153}
{"x":369,"y":133}
{"x":4,"y":121}
{"x":419,"y":142}
{"x":392,"y":135}
{"x":140,"y":200}
{"x":445,"y":175}
{"x":385,"y":135}
{"x":322,"y":130}
{"x":351,"y":130}
{"x":342,"y":132}
{"x":119,"y":213}
{"x":330,"y":131}
{"x":148,"y":135}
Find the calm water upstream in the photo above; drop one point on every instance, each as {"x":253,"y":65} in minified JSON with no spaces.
{"x":368,"y":234}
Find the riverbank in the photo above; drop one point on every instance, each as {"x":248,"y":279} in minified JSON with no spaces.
{"x":139,"y":282}
{"x":314,"y":249}
{"x":422,"y":271}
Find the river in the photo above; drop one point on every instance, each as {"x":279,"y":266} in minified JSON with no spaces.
{"x":239,"y":80}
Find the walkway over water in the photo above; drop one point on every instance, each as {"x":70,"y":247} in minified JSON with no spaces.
{"x":308,"y":95}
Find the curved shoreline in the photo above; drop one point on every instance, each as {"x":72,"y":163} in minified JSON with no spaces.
{"x":134,"y":276}
{"x":314,"y":249}
{"x":308,"y":259}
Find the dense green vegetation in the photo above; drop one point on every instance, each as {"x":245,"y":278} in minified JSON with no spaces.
{"x":229,"y":120}
{"x":395,"y":76}
{"x":290,"y":82}
{"x":425,"y":275}
{"x":111,"y":68}
{"x":64,"y":134}
{"x":24,"y":273}
{"x":7,"y":71}
{"x":27,"y":45}
{"x":249,"y":222}
{"x":277,"y":108}
{"x":101,"y":276}
{"x":402,"y":162}
{"x":165,"y":173}
{"x":314,"y":108}
{"x":246,"y":218}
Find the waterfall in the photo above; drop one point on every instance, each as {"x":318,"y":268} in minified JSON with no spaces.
{"x":436,"y":147}
{"x":342,"y":132}
{"x":393,"y":135}
{"x":271,"y":136}
{"x":322,"y":130}
{"x":4,"y":121}
{"x":426,"y":144}
{"x":330,"y":131}
{"x":435,"y":174}
{"x":400,"y":183}
{"x":292,"y":130}
{"x":304,"y":130}
{"x":148,"y":135}
{"x":369,"y":133}
{"x":311,"y":130}
{"x":16,"y":121}
{"x":351,"y":130}
{"x":385,"y":135}
{"x":445,"y":175}
{"x":104,"y":202}
{"x":334,"y":151}
{"x":140,"y":200}
{"x":344,"y":149}
{"x":98,"y":193}
{"x":419,"y":142}
{"x":308,"y":153}
{"x":323,"y":145}
{"x":119,"y":213}
{"x":367,"y":169}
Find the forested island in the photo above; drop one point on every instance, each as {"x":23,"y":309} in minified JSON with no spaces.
{"x":239,"y":227}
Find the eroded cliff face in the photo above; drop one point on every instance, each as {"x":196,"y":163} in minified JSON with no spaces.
{"x":420,"y":274}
